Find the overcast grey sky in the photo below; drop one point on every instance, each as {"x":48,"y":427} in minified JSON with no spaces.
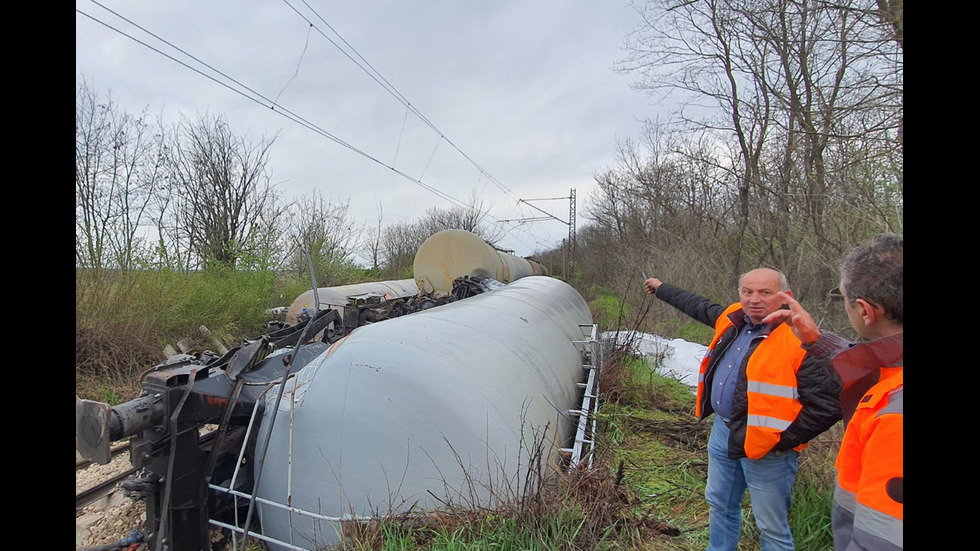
{"x":407,"y":104}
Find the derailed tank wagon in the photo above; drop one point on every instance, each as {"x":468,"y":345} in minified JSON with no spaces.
{"x":343,"y":416}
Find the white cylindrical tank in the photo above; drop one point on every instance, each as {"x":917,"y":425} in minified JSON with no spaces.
{"x":441,"y":406}
{"x":450,"y":254}
{"x":336,"y":297}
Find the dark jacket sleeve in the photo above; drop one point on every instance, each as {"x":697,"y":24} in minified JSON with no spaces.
{"x":819,"y":391}
{"x":696,"y":306}
{"x":828,"y":345}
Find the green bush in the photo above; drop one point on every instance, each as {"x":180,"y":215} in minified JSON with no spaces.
{"x":117,"y":330}
{"x":608,"y":310}
{"x":225,"y":300}
{"x":123,"y":320}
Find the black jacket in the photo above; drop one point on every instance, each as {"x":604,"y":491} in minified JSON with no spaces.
{"x":818,"y":389}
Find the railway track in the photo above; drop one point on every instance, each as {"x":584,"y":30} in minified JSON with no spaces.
{"x":113,"y":452}
{"x":107,"y":484}
{"x":104,"y":486}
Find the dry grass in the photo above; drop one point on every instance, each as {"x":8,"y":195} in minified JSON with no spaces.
{"x":109,"y":360}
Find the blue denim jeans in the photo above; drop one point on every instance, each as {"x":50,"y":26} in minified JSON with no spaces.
{"x":769,"y":480}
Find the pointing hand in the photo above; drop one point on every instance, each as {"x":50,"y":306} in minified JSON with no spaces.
{"x":797,"y":318}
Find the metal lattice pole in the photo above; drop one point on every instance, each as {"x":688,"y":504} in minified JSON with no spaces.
{"x":571,"y":231}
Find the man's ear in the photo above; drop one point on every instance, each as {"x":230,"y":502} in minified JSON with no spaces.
{"x":788,"y":292}
{"x":868,"y":312}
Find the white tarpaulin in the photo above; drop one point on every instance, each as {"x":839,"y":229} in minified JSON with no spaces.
{"x":674,"y":358}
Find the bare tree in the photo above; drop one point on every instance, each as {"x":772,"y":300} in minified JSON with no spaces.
{"x":472,"y":218}
{"x":699,"y":50}
{"x":892,"y":13}
{"x":221,"y":207}
{"x":323,"y":228}
{"x":269,"y":246}
{"x":400,"y":242}
{"x":373,"y":239}
{"x":786,"y":148}
{"x":789,"y":84}
{"x":667,"y":207}
{"x":118,"y":172}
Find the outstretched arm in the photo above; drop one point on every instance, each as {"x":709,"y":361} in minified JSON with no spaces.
{"x":695,"y":306}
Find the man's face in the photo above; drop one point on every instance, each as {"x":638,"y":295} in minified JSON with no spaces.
{"x":757,"y":292}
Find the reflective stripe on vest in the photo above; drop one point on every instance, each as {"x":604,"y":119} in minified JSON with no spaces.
{"x":872,"y":489}
{"x":871,"y":522}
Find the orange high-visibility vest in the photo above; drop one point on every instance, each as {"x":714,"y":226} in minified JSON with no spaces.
{"x":870,"y":464}
{"x":773,"y":398}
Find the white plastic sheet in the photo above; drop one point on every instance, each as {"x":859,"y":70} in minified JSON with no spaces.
{"x":675,"y":358}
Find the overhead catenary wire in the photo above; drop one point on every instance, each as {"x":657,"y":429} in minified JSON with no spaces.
{"x":298,"y":65}
{"x":254,"y":96}
{"x":221,"y":78}
{"x":380,"y":79}
{"x":375,"y":75}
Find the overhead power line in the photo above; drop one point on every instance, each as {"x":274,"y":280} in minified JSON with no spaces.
{"x":250,"y":94}
{"x":350,"y":52}
{"x":381,"y":80}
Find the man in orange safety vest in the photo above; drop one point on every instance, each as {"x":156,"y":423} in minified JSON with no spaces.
{"x":769,"y":397}
{"x":868,"y":502}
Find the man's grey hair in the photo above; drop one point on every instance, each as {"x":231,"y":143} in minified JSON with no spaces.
{"x":783,"y":282}
{"x":873,"y":271}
